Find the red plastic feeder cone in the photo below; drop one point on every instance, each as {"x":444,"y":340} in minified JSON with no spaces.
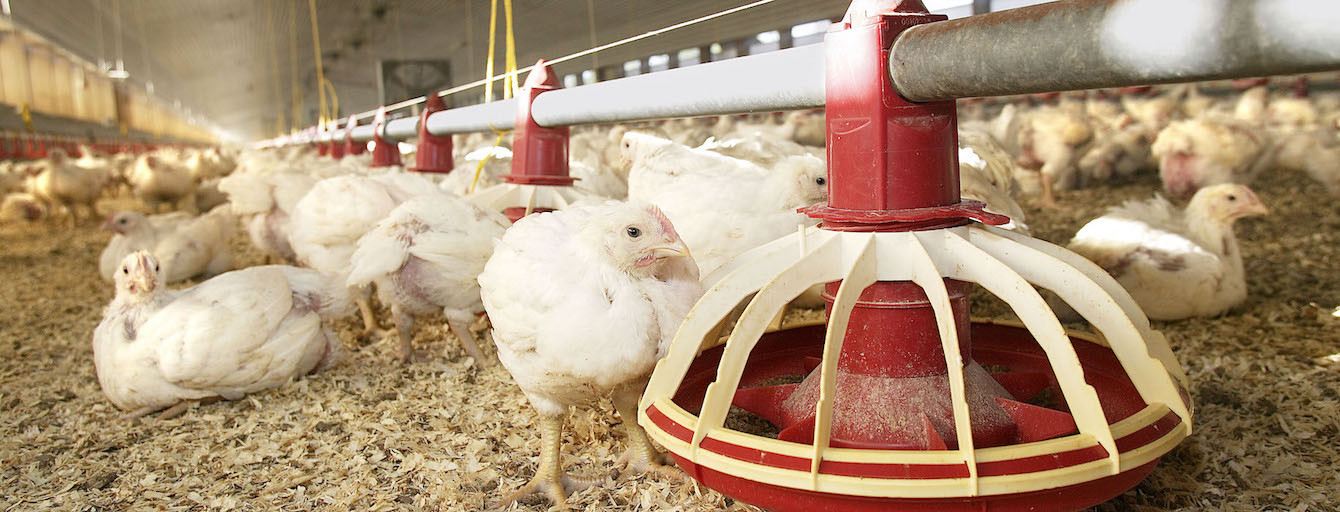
{"x":352,"y":147}
{"x":900,"y":401}
{"x":539,"y":181}
{"x":433,"y":153}
{"x":384,"y":153}
{"x":1242,"y":84}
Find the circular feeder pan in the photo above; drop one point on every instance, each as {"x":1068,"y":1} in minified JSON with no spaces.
{"x":1072,"y":471}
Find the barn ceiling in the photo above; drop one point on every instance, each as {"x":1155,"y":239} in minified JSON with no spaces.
{"x":229,"y":61}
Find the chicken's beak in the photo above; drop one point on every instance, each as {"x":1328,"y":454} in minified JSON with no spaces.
{"x":672,"y":249}
{"x":675,"y":249}
{"x":1255,"y":208}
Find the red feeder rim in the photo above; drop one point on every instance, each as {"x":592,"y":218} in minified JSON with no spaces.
{"x":352,"y":147}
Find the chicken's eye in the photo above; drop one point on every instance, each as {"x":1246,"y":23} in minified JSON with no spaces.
{"x":125,"y":270}
{"x":122,"y":221}
{"x":634,"y":232}
{"x":820,"y":181}
{"x":1232,"y":197}
{"x":155,"y":268}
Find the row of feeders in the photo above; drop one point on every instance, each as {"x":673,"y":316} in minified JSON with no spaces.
{"x":899,"y":400}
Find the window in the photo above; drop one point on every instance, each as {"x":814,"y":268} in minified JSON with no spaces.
{"x":809,"y":33}
{"x":632,"y":68}
{"x":689,"y":57}
{"x":766,"y":42}
{"x":658,"y":62}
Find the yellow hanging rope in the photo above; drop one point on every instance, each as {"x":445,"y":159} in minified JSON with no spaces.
{"x":320,"y":68}
{"x":274,"y":68}
{"x":510,"y":83}
{"x":293,"y":64}
{"x":334,"y":99}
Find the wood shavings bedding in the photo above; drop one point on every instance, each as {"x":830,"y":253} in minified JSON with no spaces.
{"x":443,"y":435}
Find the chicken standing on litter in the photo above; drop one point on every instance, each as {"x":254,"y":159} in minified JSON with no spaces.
{"x":583,"y":302}
{"x":1175,"y":264}
{"x":238,"y":333}
{"x":426,"y":256}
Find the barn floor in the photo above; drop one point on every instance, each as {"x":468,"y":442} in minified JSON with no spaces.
{"x":373,"y":435}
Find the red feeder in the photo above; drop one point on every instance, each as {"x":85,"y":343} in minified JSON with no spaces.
{"x":384,"y":154}
{"x":339,"y":149}
{"x":1138,"y":90}
{"x":539,"y":181}
{"x":434,"y":152}
{"x":901,"y":402}
{"x":351,"y":146}
{"x":1242,"y":84}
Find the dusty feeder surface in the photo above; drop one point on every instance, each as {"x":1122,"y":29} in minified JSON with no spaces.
{"x":372,"y":435}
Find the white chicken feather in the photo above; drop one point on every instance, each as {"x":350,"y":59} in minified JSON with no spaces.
{"x":238,"y":333}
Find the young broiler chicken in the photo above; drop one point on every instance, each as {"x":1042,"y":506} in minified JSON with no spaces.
{"x":583,"y":302}
{"x":1315,"y":152}
{"x":722,"y":206}
{"x":60,"y":182}
{"x":188,"y":246}
{"x":159,"y":182}
{"x":239,"y":333}
{"x":1175,"y":264}
{"x":327,"y":223}
{"x":1195,"y":153}
{"x":1050,"y":140}
{"x":265,"y":202}
{"x":425,"y":256}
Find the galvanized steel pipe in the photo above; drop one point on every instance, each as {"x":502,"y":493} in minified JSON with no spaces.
{"x":1089,"y":44}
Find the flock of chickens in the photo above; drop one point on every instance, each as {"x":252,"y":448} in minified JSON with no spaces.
{"x":580,"y":303}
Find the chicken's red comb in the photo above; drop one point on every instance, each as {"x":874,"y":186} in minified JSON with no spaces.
{"x":666,"y":226}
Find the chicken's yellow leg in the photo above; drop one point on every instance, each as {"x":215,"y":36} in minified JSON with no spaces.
{"x":640,"y":456}
{"x":549,"y":477}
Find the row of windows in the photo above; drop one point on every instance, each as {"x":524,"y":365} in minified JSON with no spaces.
{"x":772,"y":40}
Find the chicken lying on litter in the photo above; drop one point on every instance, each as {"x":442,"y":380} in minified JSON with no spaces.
{"x":425,"y":256}
{"x":1176,"y":264}
{"x":722,"y":206}
{"x":327,"y":223}
{"x":21,"y":207}
{"x":1195,"y":153}
{"x":241,"y":332}
{"x":1315,"y":152}
{"x":187,"y":246}
{"x":583,"y":302}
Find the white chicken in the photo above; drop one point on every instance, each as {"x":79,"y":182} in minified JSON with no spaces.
{"x":426,"y":256}
{"x":187,"y":246}
{"x":583,"y":302}
{"x":722,"y":206}
{"x":265,"y":202}
{"x":976,"y":181}
{"x":159,"y":182}
{"x":327,"y":223}
{"x":1315,"y":152}
{"x":1175,"y":264}
{"x":21,"y":207}
{"x":238,"y":333}
{"x":60,"y":182}
{"x":1195,"y":153}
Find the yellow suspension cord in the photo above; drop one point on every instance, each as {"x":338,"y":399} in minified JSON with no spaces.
{"x":274,"y":68}
{"x":510,"y":83}
{"x":293,"y":64}
{"x":320,"y":68}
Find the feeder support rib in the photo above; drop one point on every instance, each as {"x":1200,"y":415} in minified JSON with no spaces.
{"x":1090,"y":44}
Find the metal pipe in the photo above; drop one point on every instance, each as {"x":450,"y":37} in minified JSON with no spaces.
{"x":1088,"y":44}
{"x":1059,"y":46}
{"x":781,"y":80}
